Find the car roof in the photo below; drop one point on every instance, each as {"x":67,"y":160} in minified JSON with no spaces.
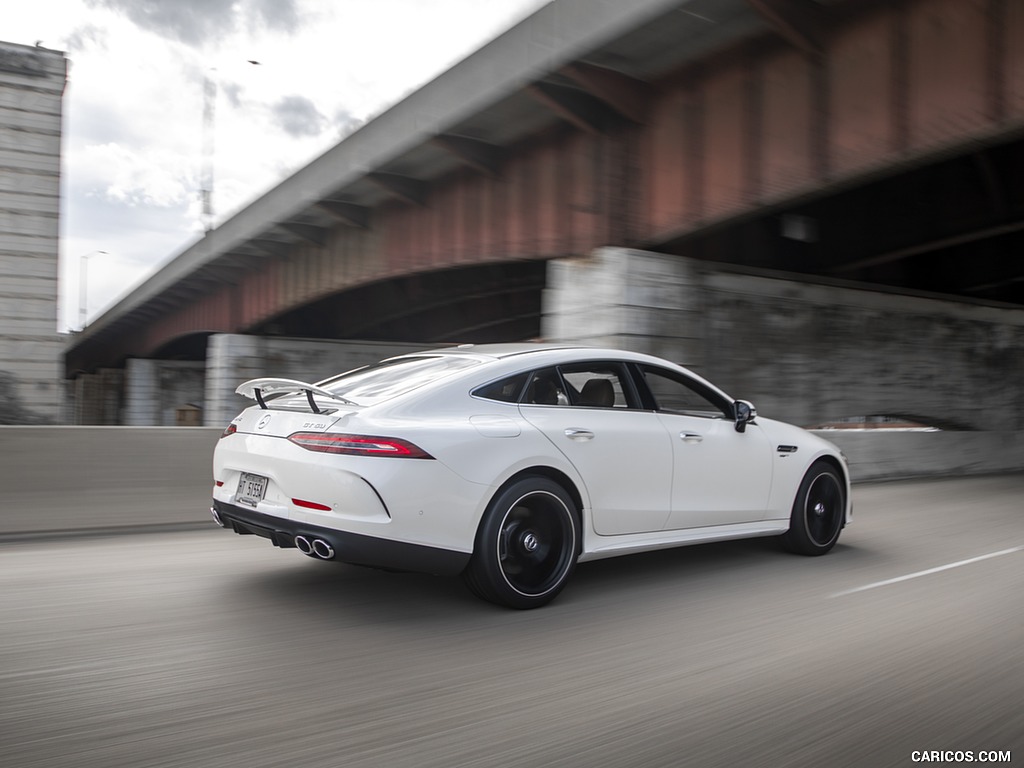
{"x":507,"y":349}
{"x":502,"y":351}
{"x":544,"y":352}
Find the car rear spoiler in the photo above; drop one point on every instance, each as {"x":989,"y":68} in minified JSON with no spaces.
{"x":256,"y":389}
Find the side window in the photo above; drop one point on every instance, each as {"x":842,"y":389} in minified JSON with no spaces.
{"x":505,"y":390}
{"x":675,"y":393}
{"x":597,"y":385}
{"x":546,"y":388}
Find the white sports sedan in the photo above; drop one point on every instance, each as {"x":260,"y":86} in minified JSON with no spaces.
{"x":509,"y":463}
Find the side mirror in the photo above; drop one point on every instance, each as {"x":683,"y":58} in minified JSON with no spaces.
{"x":745,"y":413}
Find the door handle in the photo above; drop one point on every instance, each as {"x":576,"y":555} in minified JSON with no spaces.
{"x":691,"y":437}
{"x":574,"y":433}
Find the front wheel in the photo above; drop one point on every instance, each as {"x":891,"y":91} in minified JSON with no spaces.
{"x":819,"y":511}
{"x":526,"y":546}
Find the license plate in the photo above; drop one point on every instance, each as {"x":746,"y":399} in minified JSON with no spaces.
{"x":251,"y":489}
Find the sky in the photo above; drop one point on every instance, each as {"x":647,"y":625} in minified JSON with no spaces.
{"x":289,"y":79}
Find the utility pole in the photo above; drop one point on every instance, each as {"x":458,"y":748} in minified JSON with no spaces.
{"x":83,"y":290}
{"x":209,"y":125}
{"x":206,"y":173}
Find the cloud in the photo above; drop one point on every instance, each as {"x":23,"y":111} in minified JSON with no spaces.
{"x":152,"y":178}
{"x":232,"y":92}
{"x":198,"y":22}
{"x":277,"y":15}
{"x":86,"y":36}
{"x":299,"y":117}
{"x":345,"y":123}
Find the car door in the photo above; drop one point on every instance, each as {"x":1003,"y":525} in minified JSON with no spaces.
{"x":720,"y":476}
{"x":589,"y":412}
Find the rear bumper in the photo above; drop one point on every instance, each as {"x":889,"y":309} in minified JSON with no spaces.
{"x":353,"y":548}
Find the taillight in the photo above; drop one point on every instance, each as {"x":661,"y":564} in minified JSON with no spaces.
{"x":358,"y":445}
{"x":231,"y":429}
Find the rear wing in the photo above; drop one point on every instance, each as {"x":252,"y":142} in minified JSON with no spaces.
{"x":257,"y":389}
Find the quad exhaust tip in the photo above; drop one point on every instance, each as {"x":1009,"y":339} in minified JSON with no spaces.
{"x":322,"y":549}
{"x":317,"y":548}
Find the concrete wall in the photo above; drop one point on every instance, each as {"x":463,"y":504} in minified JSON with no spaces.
{"x":802,"y":352}
{"x":816,"y":353}
{"x":886,"y":455}
{"x":31,"y":92}
{"x":104,"y":478}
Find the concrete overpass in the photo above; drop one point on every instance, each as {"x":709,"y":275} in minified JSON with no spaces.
{"x":867,"y":150}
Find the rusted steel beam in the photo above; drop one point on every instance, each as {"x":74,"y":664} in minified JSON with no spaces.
{"x":479,"y":155}
{"x":798,"y":21}
{"x":347,"y":213}
{"x":275,"y":248}
{"x":311,"y":234}
{"x":405,"y":188}
{"x":899,"y":93}
{"x":628,"y":96}
{"x":578,"y":107}
{"x":996,"y":46}
{"x":220,"y":274}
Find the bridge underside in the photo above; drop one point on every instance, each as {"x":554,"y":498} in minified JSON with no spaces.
{"x":471,"y":304}
{"x":954,"y":226}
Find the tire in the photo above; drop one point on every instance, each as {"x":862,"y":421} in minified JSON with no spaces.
{"x":526,"y":546}
{"x":819,"y":512}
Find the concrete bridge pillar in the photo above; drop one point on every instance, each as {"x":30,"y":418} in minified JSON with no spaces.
{"x":98,"y":397}
{"x":163,"y":393}
{"x":627,"y":299}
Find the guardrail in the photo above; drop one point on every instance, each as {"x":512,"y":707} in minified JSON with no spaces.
{"x":109,"y":479}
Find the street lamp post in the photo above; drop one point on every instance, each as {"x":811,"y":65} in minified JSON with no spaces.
{"x":83,"y":290}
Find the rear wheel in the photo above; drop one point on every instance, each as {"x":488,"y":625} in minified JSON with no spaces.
{"x":526,"y":546}
{"x":818,"y":512}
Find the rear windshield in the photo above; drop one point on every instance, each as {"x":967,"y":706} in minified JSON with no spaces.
{"x":391,"y":378}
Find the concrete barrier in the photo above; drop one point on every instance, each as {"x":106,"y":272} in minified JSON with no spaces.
{"x":60,"y":480}
{"x":894,"y":455}
{"x":91,"y":479}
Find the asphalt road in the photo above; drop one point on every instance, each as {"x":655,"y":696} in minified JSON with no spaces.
{"x":208,"y":649}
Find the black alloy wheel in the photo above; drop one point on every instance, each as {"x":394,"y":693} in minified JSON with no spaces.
{"x":819,"y":511}
{"x":526,"y":546}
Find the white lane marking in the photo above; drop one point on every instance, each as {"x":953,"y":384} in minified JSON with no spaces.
{"x":930,"y":571}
